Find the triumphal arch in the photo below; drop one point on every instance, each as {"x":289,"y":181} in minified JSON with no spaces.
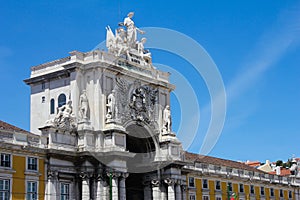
{"x":105,"y":121}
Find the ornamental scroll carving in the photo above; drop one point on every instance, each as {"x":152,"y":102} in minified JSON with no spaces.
{"x":136,"y":101}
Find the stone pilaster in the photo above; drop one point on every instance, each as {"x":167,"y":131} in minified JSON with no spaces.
{"x":122,"y":186}
{"x":155,"y":189}
{"x":114,"y":184}
{"x":171,"y":193}
{"x":184,"y":192}
{"x":178,"y":193}
{"x":85,"y":178}
{"x":51,"y":191}
{"x":99,"y":187}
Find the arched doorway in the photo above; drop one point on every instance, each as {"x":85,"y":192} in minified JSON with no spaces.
{"x":141,"y":142}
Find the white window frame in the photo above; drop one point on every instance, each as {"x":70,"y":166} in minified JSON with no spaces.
{"x":207,"y":186}
{"x":9,"y":186}
{"x":205,"y":197}
{"x":218,"y":189}
{"x":281,"y":193}
{"x":252,"y":186}
{"x":68,"y":195}
{"x":10,"y":160}
{"x":218,"y":197}
{"x":37,"y":163}
{"x":190,"y":177}
{"x":272,"y":192}
{"x":32,"y":192}
{"x":241,"y":186}
{"x":231,"y":186}
{"x":192,"y":196}
{"x":262,"y":191}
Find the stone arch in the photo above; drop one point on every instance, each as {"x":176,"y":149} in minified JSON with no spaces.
{"x":138,"y":131}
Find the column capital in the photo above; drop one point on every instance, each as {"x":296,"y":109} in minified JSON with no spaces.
{"x":169,"y":181}
{"x":124,"y":175}
{"x":114,"y":174}
{"x":85,"y":175}
{"x":52,"y":174}
{"x":99,"y":176}
{"x":155,"y":183}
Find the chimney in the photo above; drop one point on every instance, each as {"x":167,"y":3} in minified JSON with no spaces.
{"x":277,"y":170}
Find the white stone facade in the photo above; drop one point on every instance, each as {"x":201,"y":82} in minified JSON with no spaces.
{"x":102,"y":116}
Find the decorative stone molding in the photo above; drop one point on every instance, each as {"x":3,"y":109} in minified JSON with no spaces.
{"x":85,"y":175}
{"x":169,"y":181}
{"x":155,"y":183}
{"x":52,"y":174}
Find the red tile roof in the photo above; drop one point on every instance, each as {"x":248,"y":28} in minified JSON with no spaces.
{"x":253,"y":163}
{"x":219,"y":161}
{"x":9,"y":127}
{"x":283,"y":172}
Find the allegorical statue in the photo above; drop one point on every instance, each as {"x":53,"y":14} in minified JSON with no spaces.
{"x":131,"y":30}
{"x":65,"y":118}
{"x":111,"y":103}
{"x":167,"y":122}
{"x":83,"y":105}
{"x":124,"y":42}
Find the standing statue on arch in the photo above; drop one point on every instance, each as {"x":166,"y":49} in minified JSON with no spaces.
{"x":131,"y":30}
{"x":167,"y":121}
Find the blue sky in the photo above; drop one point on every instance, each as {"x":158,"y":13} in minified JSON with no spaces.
{"x":255,"y":45}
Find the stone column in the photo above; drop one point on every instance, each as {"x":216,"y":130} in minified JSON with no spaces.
{"x":51,"y":185}
{"x":171,"y":193}
{"x":99,"y":187}
{"x":85,"y":195}
{"x":114,"y":176}
{"x":115,"y":188}
{"x":122,"y":186}
{"x":178,"y":194}
{"x":155,"y":190}
{"x":184,"y":192}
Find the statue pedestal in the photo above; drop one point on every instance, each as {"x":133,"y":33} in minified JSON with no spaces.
{"x":171,"y":147}
{"x":114,"y":136}
{"x":84,"y":124}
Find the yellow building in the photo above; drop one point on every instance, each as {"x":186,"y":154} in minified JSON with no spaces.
{"x":210,"y":178}
{"x":22,"y":171}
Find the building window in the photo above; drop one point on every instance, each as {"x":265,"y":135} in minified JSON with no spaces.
{"x":252,"y":189}
{"x":281,"y":193}
{"x":62,"y":100}
{"x":52,"y":106}
{"x":205,"y":198}
{"x":241,"y":188}
{"x":32,"y":163}
{"x":191,"y":182}
{"x":192,"y":197}
{"x":218,"y":198}
{"x":290,"y":194}
{"x":204,"y":184}
{"x":31,"y":190}
{"x":229,"y":186}
{"x":4,"y":189}
{"x":5,"y":160}
{"x":262,"y":191}
{"x":43,"y":86}
{"x":218,"y":185}
{"x":65,"y":191}
{"x":43,"y":99}
{"x":272,"y":192}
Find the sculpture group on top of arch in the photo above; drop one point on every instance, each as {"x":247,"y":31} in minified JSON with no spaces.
{"x":125,"y":43}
